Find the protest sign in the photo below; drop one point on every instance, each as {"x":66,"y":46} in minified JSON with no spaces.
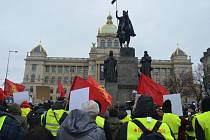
{"x":19,"y":97}
{"x":77,"y":97}
{"x":176,"y":103}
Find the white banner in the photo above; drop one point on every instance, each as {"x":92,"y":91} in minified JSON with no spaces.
{"x":175,"y":102}
{"x":19,"y":97}
{"x":78,"y":97}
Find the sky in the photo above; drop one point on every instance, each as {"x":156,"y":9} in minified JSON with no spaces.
{"x":67,"y":28}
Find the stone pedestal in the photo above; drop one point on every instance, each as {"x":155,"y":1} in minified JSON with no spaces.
{"x":127,"y":68}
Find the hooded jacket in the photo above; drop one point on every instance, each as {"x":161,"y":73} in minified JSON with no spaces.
{"x":79,"y":126}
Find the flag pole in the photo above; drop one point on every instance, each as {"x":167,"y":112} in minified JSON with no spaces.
{"x":116,"y":10}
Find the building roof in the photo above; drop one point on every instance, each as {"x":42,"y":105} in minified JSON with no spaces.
{"x":109,"y":27}
{"x":178,"y":52}
{"x":38,"y":50}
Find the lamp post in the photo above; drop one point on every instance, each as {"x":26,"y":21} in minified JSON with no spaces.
{"x":10,"y":51}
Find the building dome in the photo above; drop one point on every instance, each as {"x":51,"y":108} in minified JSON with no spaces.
{"x":109,"y":27}
{"x":178,"y":52}
{"x":38,"y":50}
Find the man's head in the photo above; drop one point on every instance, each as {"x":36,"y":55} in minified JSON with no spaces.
{"x":143,"y":107}
{"x":91,"y":107}
{"x":125,"y":13}
{"x":205,"y":104}
{"x":167,"y":106}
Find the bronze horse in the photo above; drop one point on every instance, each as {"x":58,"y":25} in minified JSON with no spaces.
{"x":125,"y":28}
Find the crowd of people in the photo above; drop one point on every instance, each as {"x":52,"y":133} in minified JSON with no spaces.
{"x":51,"y":121}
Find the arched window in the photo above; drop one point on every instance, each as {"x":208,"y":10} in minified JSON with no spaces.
{"x":116,"y":43}
{"x":109,"y":43}
{"x":102,"y":43}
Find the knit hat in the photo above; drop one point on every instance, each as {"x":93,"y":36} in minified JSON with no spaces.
{"x":90,"y":106}
{"x":144,"y":107}
{"x":25,"y":104}
{"x":14,"y":109}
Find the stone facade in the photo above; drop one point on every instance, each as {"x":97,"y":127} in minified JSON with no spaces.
{"x":206,"y":68}
{"x":43,"y":70}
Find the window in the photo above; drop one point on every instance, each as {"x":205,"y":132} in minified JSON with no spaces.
{"x":53,"y":80}
{"x":79,"y":70}
{"x":53,"y":68}
{"x":60,"y":69}
{"x":31,"y":89}
{"x":47,"y":68}
{"x":73,"y":69}
{"x":85,"y":72}
{"x":102,"y":43}
{"x":109,"y":43}
{"x":66,"y":69}
{"x":59,"y":78}
{"x":26,"y":78}
{"x":32,"y":78}
{"x":46,"y":79}
{"x":116,"y":43}
{"x":66,"y":80}
{"x":34,"y":67}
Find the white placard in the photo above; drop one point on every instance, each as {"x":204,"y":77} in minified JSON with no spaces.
{"x":19,"y":97}
{"x":78,"y":97}
{"x":175,"y":102}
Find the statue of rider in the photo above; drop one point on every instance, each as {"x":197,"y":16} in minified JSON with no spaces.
{"x":125,"y":28}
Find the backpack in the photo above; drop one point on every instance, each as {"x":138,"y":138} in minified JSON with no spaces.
{"x":147,"y":134}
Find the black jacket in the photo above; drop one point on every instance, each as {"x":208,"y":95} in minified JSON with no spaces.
{"x":11,"y":129}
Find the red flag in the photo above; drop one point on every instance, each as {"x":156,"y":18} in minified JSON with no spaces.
{"x":11,"y":87}
{"x":148,"y":87}
{"x":1,"y":94}
{"x":95,"y":92}
{"x":61,"y":90}
{"x":104,"y":93}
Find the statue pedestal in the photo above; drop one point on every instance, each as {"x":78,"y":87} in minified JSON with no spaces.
{"x":127,"y":80}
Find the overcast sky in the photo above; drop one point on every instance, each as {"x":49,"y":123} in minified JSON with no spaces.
{"x":67,"y":28}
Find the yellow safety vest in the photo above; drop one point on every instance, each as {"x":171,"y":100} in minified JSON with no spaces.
{"x":100,"y":121}
{"x":126,"y":119}
{"x":25,"y":111}
{"x":134,"y":132}
{"x":204,"y":121}
{"x":192,"y":133}
{"x":51,"y":123}
{"x":173,"y":121}
{"x":2,"y":119}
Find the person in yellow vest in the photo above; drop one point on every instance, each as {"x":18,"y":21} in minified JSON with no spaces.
{"x":25,"y":108}
{"x":123,"y":116}
{"x":143,"y":123}
{"x":202,"y":122}
{"x":103,"y":123}
{"x":53,"y":118}
{"x":10,"y":128}
{"x":172,"y":120}
{"x":190,"y":128}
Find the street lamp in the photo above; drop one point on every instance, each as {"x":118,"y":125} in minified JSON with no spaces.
{"x":10,"y":51}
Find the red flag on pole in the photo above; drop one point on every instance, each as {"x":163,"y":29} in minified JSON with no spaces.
{"x":11,"y":87}
{"x":147,"y":86}
{"x":61,"y":90}
{"x":1,"y":94}
{"x":96,"y":92}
